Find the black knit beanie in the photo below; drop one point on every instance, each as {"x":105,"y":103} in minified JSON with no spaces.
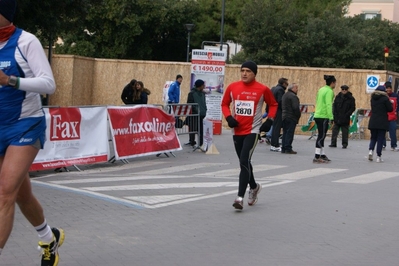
{"x":7,"y":9}
{"x":251,"y":65}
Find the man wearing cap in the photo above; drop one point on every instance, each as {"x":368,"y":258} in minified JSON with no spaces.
{"x":322,"y":116}
{"x":197,"y":95}
{"x":343,"y":107}
{"x":392,"y":116}
{"x":378,"y":122}
{"x":24,"y":74}
{"x":245,"y":118}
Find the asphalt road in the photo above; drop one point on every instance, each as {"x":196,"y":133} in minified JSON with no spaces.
{"x":172,"y":211}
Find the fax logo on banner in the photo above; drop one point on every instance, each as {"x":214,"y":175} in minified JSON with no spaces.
{"x":65,"y":124}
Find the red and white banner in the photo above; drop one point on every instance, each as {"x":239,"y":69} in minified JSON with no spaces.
{"x":74,"y":136}
{"x":142,"y":130}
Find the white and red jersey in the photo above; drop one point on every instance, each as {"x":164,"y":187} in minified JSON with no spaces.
{"x":248,"y":99}
{"x":392,"y":116}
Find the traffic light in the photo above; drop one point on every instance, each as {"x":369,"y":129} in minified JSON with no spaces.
{"x":386,"y":51}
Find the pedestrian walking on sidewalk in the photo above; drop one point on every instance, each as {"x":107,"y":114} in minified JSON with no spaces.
{"x":22,"y":130}
{"x":378,"y":123}
{"x":247,"y":97}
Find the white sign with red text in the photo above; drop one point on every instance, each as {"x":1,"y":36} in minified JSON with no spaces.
{"x":209,"y":65}
{"x":74,"y":136}
{"x":142,"y":130}
{"x":208,"y":62}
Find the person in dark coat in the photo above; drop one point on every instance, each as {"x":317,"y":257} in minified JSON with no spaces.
{"x":291,"y":116}
{"x":278,"y":92}
{"x":128,"y":91}
{"x":343,"y":107}
{"x":378,"y":123}
{"x":197,"y":95}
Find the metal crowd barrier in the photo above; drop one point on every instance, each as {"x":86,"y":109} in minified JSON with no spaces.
{"x":306,"y":122}
{"x":186,"y":122}
{"x":360,"y":120}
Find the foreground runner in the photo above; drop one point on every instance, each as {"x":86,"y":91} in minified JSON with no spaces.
{"x":245,"y":119}
{"x":24,"y":74}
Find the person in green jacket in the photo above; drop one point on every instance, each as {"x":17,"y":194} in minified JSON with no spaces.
{"x":323,"y":115}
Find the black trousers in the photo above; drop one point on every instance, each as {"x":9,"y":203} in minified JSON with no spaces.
{"x":322,"y":128}
{"x":277,"y":125}
{"x":245,"y":146}
{"x":335,"y":132}
{"x":377,"y":137}
{"x":288,"y":134}
{"x":194,"y":126}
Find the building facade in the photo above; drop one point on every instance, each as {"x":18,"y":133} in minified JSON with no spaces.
{"x":384,"y":9}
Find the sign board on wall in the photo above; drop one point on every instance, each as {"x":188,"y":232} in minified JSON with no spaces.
{"x":209,"y":65}
{"x":372,"y":83}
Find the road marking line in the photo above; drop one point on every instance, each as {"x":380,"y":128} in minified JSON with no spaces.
{"x":91,"y":194}
{"x":190,"y":199}
{"x":235,"y":172}
{"x":117,"y":178}
{"x":181,"y":168}
{"x":368,"y":178}
{"x":162,"y":186}
{"x":314,"y":172}
{"x":161,"y":199}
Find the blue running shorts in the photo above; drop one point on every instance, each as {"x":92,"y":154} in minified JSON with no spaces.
{"x":24,"y":132}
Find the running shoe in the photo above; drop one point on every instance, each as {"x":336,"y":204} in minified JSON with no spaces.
{"x":379,"y":159}
{"x":370,"y":155}
{"x":238,"y":203}
{"x":325,"y":158}
{"x":276,"y":149}
{"x":253,"y":194}
{"x":319,"y":160}
{"x":49,"y":255}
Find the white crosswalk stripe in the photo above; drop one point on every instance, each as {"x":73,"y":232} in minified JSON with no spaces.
{"x":305,"y":174}
{"x":236,"y":171}
{"x":368,"y":178}
{"x":163,"y":187}
{"x":181,"y":168}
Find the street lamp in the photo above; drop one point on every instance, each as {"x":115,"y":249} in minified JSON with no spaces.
{"x":222,"y":26}
{"x":189,"y":28}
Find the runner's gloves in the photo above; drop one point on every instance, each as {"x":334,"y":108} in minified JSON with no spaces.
{"x":231,"y":121}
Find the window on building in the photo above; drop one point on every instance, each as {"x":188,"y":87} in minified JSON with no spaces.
{"x":371,"y":15}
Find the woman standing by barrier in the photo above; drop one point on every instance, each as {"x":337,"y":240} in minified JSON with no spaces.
{"x":140,"y":94}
